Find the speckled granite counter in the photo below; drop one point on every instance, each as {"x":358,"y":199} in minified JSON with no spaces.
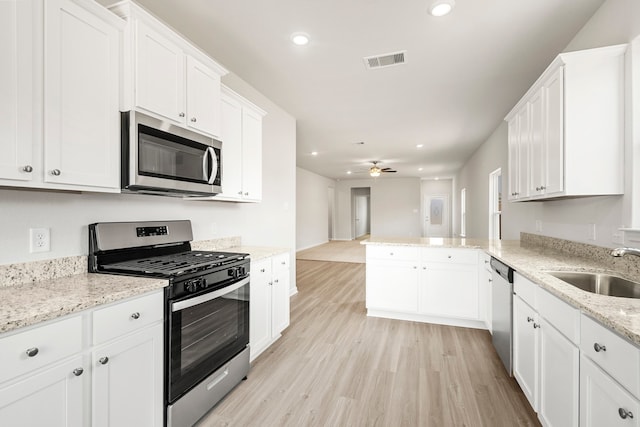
{"x":534,"y":255}
{"x":30,"y":303}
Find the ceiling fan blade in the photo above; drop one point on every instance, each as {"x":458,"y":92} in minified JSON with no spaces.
{"x":385,"y":169}
{"x":389,"y":171}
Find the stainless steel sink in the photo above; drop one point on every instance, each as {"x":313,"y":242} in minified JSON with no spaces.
{"x":599,"y":283}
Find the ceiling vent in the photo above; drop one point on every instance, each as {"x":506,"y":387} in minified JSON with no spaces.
{"x":386,"y":60}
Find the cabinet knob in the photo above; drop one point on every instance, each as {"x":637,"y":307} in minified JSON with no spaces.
{"x":270,"y":283}
{"x":276,"y":281}
{"x":27,"y":169}
{"x":262,"y":270}
{"x":181,"y":114}
{"x":424,"y":268}
{"x":536,"y":325}
{"x":415,"y":267}
{"x":449,"y":256}
{"x":103,"y":360}
{"x":624,"y":414}
{"x":598,"y":348}
{"x":246,"y":193}
{"x":529,"y":319}
{"x":391,"y":253}
{"x":537,"y":188}
{"x":283,"y":263}
{"x":78,"y":371}
{"x":542,"y":187}
{"x":31,"y":352}
{"x":193,"y":119}
{"x":239,"y":193}
{"x":135,"y":316}
{"x":55,"y":172}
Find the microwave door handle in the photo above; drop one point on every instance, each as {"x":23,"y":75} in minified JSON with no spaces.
{"x":214,"y":165}
{"x":205,"y":164}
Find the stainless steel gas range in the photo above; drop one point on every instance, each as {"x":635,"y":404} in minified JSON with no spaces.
{"x":206,"y":308}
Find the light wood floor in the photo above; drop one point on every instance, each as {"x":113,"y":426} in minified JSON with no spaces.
{"x":334,"y":366}
{"x":336,"y":250}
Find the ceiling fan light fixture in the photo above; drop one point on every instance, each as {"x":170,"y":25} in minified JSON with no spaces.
{"x":441,"y":7}
{"x":375,"y":172}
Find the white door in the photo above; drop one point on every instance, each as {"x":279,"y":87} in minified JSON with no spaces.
{"x":362,"y":215}
{"x":436,"y":219}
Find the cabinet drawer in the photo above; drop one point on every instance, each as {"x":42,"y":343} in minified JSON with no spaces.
{"x":561,"y":315}
{"x":526,"y":290}
{"x":50,"y":343}
{"x":122,"y":318}
{"x":280,"y":262}
{"x":619,"y":358}
{"x":457,"y":256}
{"x":404,"y":253}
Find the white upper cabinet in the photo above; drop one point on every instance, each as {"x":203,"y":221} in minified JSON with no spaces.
{"x":574,"y":133}
{"x":16,"y":87}
{"x":81,"y":95}
{"x":59,"y":120}
{"x":168,"y":76}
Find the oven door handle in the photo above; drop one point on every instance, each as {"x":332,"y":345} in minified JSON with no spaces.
{"x":181,"y":305}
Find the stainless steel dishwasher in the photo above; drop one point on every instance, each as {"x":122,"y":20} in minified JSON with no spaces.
{"x":501,"y":311}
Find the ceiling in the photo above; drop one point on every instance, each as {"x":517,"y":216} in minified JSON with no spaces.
{"x":463,"y":72}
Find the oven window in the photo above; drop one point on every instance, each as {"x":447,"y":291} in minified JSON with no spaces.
{"x":162,"y":157}
{"x":205,"y":336}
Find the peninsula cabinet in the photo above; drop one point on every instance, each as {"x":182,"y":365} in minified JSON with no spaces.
{"x":100,"y":367}
{"x":166,"y":75}
{"x":269,"y":307}
{"x":64,"y":134}
{"x":566,"y":135}
{"x":436,"y":285}
{"x":242,"y":140}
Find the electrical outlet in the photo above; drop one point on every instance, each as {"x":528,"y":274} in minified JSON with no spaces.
{"x":538,"y":226}
{"x":39,"y":240}
{"x":591,"y":232}
{"x":617,"y":237}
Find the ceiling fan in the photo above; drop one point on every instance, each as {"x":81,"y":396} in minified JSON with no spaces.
{"x":375,"y":170}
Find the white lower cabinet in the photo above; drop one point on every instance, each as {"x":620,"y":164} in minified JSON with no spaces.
{"x":392,"y":285}
{"x":603,"y":402}
{"x":56,"y":377}
{"x":526,"y":355}
{"x":269,"y":304}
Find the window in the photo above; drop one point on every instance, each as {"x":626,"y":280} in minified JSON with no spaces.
{"x":495,"y":205}
{"x":463,"y":212}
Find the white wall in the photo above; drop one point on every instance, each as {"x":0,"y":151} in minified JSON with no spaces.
{"x":617,"y":21}
{"x":312,"y":210}
{"x":395,"y":207}
{"x":270,"y":223}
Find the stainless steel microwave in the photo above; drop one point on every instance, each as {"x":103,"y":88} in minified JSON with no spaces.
{"x":161,"y":158}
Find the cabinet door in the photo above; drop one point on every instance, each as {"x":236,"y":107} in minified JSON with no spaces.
{"x":159,"y":74}
{"x":392,"y":286}
{"x":537,"y":136}
{"x":513,"y":135}
{"x":16,"y":76}
{"x":251,"y":155}
{"x":260,"y":307}
{"x":280,"y":295}
{"x":53,"y":397}
{"x":449,"y":290}
{"x":559,"y":378}
{"x":603,"y":402}
{"x":525,"y":349}
{"x":128,"y":380}
{"x":524,"y":136}
{"x":554,"y":147}
{"x":231,"y":112}
{"x":81,"y":94}
{"x":203,"y":98}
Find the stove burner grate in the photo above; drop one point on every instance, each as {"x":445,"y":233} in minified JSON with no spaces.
{"x":174,"y":264}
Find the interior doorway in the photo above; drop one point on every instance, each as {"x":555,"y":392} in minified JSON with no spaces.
{"x":331,"y":197}
{"x":360,"y":212}
{"x":437,"y":215}
{"x":495,"y":204}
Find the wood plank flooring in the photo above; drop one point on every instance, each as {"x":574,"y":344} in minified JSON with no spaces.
{"x":336,"y":250}
{"x":334,"y":366}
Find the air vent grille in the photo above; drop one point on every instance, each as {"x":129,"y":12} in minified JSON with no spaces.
{"x":385,"y":60}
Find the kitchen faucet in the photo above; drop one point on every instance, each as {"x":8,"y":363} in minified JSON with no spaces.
{"x":618,"y":252}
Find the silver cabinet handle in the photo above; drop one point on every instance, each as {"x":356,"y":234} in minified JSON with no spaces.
{"x":424,"y":268}
{"x":103,"y":360}
{"x":246,"y":193}
{"x":193,"y":119}
{"x":415,"y":267}
{"x":624,"y":414}
{"x":78,"y":371}
{"x":391,"y":253}
{"x":262,"y":270}
{"x":598,"y":348}
{"x":55,"y":172}
{"x":283,"y":262}
{"x":181,"y":114}
{"x":27,"y":169}
{"x":542,"y":187}
{"x":449,"y":256}
{"x":135,"y":316}
{"x":276,"y":281}
{"x":239,"y":193}
{"x":536,"y":325}
{"x":270,"y":283}
{"x":32,"y":352}
{"x":529,"y":319}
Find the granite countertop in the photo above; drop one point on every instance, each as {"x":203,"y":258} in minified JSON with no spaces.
{"x":38,"y":291}
{"x":30,"y":303}
{"x":532,"y":260}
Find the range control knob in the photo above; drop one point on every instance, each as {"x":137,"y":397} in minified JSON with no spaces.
{"x":237,"y":272}
{"x":195,"y":284}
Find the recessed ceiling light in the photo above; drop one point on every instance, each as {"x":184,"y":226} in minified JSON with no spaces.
{"x":419,"y":145}
{"x":314,"y":153}
{"x":420,"y":169}
{"x":348,"y":172}
{"x":300,"y":39}
{"x":437,"y":178}
{"x":441,"y":7}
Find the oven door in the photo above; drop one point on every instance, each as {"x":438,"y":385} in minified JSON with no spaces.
{"x":205,"y":331}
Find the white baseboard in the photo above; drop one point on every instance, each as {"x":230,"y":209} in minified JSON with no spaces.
{"x":414,"y":317}
{"x":311,"y":246}
{"x":293,"y":291}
